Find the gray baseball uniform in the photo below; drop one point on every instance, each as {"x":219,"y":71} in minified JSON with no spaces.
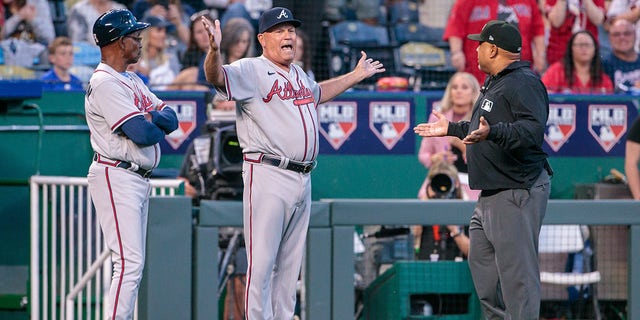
{"x":118,"y":178}
{"x":277,"y":127}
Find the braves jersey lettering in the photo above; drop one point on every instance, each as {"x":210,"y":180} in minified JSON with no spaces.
{"x":142,"y":101}
{"x":128,"y":97}
{"x":281,"y":107}
{"x":300,"y":96}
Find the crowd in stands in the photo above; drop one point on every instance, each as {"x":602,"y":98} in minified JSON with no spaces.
{"x":576,"y":46}
{"x":173,"y":48}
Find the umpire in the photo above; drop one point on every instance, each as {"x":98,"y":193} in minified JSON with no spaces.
{"x":506,"y":162}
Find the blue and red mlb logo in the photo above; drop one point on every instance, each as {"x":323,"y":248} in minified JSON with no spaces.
{"x":338,"y":120}
{"x":389,"y":120}
{"x":560,"y":125}
{"x":607,"y":124}
{"x":186,"y":112}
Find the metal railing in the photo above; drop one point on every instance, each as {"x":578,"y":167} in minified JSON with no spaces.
{"x":69,"y":278}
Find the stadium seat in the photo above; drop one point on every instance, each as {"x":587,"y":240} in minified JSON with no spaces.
{"x":348,"y":38}
{"x":403,"y":11}
{"x":86,"y":54}
{"x":423,"y":56}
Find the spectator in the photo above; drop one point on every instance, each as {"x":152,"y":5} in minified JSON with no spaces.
{"x":35,"y":14}
{"x":82,"y":16}
{"x":236,"y":44}
{"x":446,"y":243}
{"x":20,"y":49}
{"x":567,"y":17}
{"x":458,"y":99}
{"x":238,"y":40}
{"x":622,"y":64}
{"x":468,"y":16}
{"x":173,"y":11}
{"x":628,"y":10}
{"x":193,"y":58}
{"x":580,"y":70}
{"x":632,"y":159}
{"x":156,"y":63}
{"x":303,"y":53}
{"x":249,"y":10}
{"x":435,"y":13}
{"x":59,"y":78}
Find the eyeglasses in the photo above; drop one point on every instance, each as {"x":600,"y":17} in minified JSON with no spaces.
{"x":620,"y":34}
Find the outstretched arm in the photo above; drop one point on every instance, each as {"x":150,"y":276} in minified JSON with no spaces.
{"x":438,"y":128}
{"x":366,"y":68}
{"x":213,"y":62}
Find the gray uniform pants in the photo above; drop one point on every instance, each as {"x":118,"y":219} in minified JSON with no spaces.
{"x":503,"y":255}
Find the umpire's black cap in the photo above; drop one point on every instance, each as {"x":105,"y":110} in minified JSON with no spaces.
{"x":276,"y":16}
{"x":503,"y":34}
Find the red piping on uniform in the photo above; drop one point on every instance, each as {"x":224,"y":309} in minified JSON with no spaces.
{"x":306,"y":138}
{"x":117,"y":124}
{"x":250,"y":256}
{"x":315,"y":131}
{"x":115,"y":217}
{"x":226,"y":84}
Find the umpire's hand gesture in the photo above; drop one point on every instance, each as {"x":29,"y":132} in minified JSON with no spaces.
{"x":433,"y":129}
{"x":215,"y":34}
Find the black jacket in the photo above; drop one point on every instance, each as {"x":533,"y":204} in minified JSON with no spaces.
{"x":515,"y":103}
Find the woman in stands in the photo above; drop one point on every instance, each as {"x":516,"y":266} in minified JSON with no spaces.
{"x":579,"y":71}
{"x":459,"y":96}
{"x":156,"y":63}
{"x":193,"y":58}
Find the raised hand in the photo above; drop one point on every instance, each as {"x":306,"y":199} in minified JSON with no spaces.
{"x":215,"y":34}
{"x":433,"y":129}
{"x":368,"y":67}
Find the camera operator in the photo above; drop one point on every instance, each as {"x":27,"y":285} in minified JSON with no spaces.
{"x":441,"y":242}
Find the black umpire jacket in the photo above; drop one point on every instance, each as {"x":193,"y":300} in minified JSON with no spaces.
{"x":515,"y":103}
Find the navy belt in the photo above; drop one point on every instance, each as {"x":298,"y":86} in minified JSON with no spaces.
{"x":297,"y":166}
{"x":145,"y":173}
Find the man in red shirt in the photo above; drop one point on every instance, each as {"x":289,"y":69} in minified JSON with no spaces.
{"x":469,"y":16}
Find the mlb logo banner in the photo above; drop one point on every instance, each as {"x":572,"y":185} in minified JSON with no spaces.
{"x":607,"y":124}
{"x":560,"y":125}
{"x":186,"y":111}
{"x":338,"y":120}
{"x":389,"y":120}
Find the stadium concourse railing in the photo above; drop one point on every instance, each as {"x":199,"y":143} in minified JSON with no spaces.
{"x":69,"y":277}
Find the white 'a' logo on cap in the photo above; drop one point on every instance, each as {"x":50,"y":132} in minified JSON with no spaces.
{"x":283,"y":13}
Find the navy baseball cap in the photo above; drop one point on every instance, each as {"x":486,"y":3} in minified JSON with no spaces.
{"x":501,"y":33}
{"x":276,"y":16}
